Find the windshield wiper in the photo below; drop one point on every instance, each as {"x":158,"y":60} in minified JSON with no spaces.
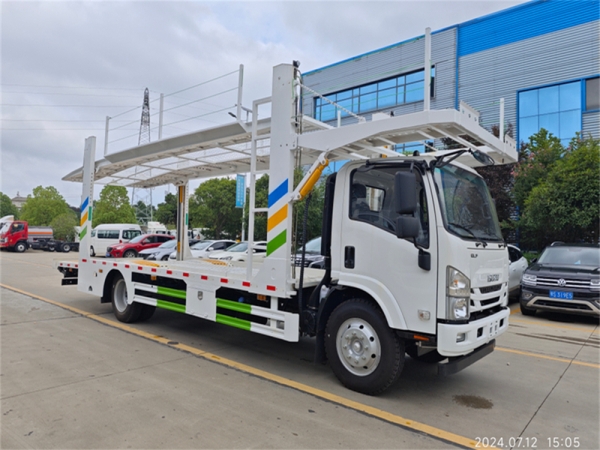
{"x":479,"y":240}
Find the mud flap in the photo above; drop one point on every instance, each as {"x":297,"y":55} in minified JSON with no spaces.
{"x":459,"y":363}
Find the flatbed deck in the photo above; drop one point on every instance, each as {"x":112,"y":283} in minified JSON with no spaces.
{"x":231,"y":274}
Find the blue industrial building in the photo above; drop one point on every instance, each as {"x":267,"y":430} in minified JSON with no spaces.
{"x":541,"y":57}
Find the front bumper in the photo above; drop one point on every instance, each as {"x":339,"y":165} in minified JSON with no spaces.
{"x":476,"y":334}
{"x":585,"y":304}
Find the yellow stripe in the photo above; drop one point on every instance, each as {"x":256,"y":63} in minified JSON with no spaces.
{"x":551,"y":358}
{"x":84,"y":218}
{"x":366,"y":409}
{"x":143,"y":262}
{"x":277,"y":218}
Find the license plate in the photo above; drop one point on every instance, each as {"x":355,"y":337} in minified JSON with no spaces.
{"x":561,"y":294}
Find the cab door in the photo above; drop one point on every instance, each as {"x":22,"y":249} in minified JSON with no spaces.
{"x":370,"y":257}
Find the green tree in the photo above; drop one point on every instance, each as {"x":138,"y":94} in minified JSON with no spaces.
{"x":64,"y":225}
{"x":113,"y":207}
{"x":213,"y":207}
{"x":43,"y":206}
{"x":565,"y":204}
{"x":535,"y":162}
{"x":7,"y":208}
{"x":166,"y":212}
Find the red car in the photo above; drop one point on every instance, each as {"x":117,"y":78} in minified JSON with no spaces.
{"x":133,"y":247}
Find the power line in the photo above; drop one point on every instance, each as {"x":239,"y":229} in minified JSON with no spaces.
{"x":72,"y":87}
{"x":67,"y":93}
{"x":66,"y":106}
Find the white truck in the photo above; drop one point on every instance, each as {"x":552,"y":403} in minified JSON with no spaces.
{"x":414,"y":259}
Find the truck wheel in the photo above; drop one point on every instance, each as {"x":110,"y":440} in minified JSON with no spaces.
{"x":92,"y":252}
{"x":123,"y":311}
{"x":431,"y":357}
{"x":364,"y":353}
{"x":51,"y":247}
{"x":20,"y":247}
{"x":66,"y":248}
{"x":130,"y":254}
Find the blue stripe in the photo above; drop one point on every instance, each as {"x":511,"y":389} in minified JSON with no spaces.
{"x":278,"y":192}
{"x":527,"y":21}
{"x":84,"y":204}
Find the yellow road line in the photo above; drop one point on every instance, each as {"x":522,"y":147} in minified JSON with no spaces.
{"x":371,"y":411}
{"x":552,"y":358}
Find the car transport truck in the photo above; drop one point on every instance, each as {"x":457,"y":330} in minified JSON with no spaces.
{"x":415,"y":262}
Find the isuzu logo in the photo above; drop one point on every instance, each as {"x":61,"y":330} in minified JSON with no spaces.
{"x":562,"y":282}
{"x":494,"y":277}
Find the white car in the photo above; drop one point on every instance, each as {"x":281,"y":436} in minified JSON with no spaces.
{"x":204,"y":248}
{"x":239,"y":252}
{"x":518,"y":264}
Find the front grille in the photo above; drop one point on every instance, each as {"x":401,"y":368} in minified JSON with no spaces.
{"x":563,"y":282}
{"x":488,"y":289}
{"x":489,"y":301}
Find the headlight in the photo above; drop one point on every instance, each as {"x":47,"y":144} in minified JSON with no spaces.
{"x":595,"y":284}
{"x":226,"y":258}
{"x":458,"y":289}
{"x":530,"y":280}
{"x":151,"y":256}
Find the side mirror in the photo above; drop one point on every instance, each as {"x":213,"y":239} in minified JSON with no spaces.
{"x":405,"y":192}
{"x":407,"y":227}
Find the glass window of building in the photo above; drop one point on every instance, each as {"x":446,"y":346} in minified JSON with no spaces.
{"x":382,"y":94}
{"x":554,"y":108}
{"x":592,"y":94}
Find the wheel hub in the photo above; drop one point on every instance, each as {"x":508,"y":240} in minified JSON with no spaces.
{"x":358,"y":347}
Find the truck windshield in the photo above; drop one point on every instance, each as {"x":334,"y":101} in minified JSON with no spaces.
{"x":467,"y":205}
{"x":4,"y":227}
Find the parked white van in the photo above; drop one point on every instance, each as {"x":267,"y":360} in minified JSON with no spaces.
{"x":105,"y":235}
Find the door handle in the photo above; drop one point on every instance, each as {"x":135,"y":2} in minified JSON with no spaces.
{"x":349,"y":257}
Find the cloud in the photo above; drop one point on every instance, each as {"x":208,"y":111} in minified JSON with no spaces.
{"x":67,"y":65}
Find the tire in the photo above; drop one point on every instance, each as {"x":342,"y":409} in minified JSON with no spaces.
{"x":130,"y":254}
{"x":358,"y":331}
{"x":66,"y":248}
{"x":146,"y":313}
{"x":526,"y":311}
{"x":432,"y":357}
{"x":92,"y":252}
{"x":51,"y":247}
{"x":20,"y":247}
{"x":123,"y":311}
{"x":165,"y":258}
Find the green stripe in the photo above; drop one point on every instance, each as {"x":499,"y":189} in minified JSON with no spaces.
{"x":177,"y":293}
{"x":170,"y":306}
{"x":82,"y":233}
{"x":276,"y":242}
{"x":233,"y":322}
{"x":90,"y":214}
{"x":234,"y":306}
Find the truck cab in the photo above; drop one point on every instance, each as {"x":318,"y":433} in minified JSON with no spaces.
{"x":13,"y":234}
{"x":422,"y":241}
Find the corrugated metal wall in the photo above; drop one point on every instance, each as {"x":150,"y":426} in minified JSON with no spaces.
{"x":524,"y":22}
{"x":486,"y":76}
{"x":591,"y":124}
{"x":391,"y":61}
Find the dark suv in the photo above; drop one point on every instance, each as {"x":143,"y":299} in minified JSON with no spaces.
{"x":565,"y":278}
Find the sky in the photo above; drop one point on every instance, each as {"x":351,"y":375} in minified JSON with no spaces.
{"x":67,"y":65}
